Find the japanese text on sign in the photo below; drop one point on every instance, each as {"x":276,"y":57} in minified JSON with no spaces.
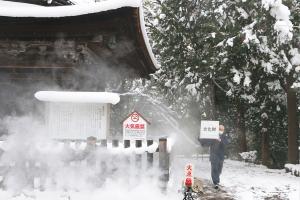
{"x":135,"y":126}
{"x":189,"y":174}
{"x":189,"y":170}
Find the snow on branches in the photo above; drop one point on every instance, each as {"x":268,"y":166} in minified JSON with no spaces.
{"x":249,"y":156}
{"x":283,"y":26}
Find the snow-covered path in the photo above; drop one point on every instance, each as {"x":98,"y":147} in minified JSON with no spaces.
{"x":247,"y":181}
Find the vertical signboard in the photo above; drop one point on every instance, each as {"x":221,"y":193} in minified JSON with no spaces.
{"x":188,"y":171}
{"x":134,"y":127}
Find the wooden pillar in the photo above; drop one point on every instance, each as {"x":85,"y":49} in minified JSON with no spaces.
{"x":265,"y":149}
{"x":241,"y":126}
{"x":164,"y":161}
{"x":293,"y":126}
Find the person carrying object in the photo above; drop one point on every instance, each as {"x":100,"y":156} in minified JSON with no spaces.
{"x":216,"y":157}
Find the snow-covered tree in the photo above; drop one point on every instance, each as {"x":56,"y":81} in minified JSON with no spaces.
{"x":262,"y":52}
{"x":245,"y":49}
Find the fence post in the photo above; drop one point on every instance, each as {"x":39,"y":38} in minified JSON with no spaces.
{"x":115,"y":143}
{"x":103,"y":166}
{"x":149,"y":155}
{"x":103,"y":143}
{"x":126,"y":143}
{"x":138,"y":157}
{"x":127,"y":157}
{"x":164,"y":161}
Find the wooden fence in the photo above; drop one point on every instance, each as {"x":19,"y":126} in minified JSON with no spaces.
{"x":158,"y":156}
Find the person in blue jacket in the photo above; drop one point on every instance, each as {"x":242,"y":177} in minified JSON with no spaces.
{"x":217,"y":152}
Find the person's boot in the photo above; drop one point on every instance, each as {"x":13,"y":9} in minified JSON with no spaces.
{"x":216,"y":186}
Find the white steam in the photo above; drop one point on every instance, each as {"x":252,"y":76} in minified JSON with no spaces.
{"x":32,"y":161}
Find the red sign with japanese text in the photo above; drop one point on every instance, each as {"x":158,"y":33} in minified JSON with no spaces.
{"x":134,"y":127}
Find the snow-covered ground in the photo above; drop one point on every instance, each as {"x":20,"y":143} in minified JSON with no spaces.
{"x":248,"y":181}
{"x":66,"y":175}
{"x":242,"y":180}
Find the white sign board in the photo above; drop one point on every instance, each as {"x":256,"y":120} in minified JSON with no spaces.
{"x":134,"y":127}
{"x":209,"y":130}
{"x":77,"y":120}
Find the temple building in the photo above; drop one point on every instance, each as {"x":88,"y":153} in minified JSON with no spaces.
{"x":55,"y":45}
{"x":67,"y":42}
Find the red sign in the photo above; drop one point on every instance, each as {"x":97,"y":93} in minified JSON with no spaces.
{"x":134,"y":127}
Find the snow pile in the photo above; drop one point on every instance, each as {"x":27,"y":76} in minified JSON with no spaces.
{"x":192,"y":88}
{"x":85,"y":1}
{"x":249,"y":35}
{"x":249,"y":156}
{"x":10,"y":5}
{"x":133,"y":149}
{"x":237,"y":76}
{"x":294,"y":169}
{"x":64,"y":11}
{"x":295,"y":60}
{"x":78,"y":97}
{"x":281,"y":13}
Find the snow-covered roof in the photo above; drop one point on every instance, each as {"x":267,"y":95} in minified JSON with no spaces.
{"x":78,"y":97}
{"x":13,"y":9}
{"x":10,"y":4}
{"x":30,"y":10}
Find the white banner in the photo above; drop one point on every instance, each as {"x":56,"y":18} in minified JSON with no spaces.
{"x":77,"y":120}
{"x":209,"y":130}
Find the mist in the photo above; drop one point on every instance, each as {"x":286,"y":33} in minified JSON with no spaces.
{"x":33,"y":164}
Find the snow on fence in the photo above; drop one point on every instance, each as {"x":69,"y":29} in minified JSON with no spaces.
{"x":140,"y":154}
{"x":249,"y":156}
{"x":293,"y":169}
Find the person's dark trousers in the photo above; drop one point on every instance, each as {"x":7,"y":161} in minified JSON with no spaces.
{"x":216,"y":170}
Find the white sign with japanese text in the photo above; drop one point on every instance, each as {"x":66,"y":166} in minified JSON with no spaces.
{"x":134,"y":127}
{"x":188,"y":172}
{"x":77,"y":120}
{"x":209,"y":130}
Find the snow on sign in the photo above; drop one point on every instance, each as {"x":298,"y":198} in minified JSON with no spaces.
{"x":134,"y":127}
{"x":209,"y":130}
